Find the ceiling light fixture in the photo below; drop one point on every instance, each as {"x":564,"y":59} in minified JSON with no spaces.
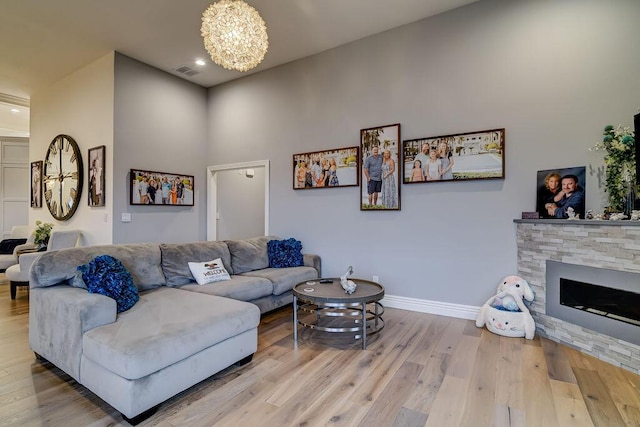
{"x":234,"y":34}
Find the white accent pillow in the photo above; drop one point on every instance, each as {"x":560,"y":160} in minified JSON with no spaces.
{"x":209,"y":272}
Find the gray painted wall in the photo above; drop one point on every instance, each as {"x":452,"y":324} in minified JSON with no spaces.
{"x":160,"y":125}
{"x":240,"y":204}
{"x":552,"y":73}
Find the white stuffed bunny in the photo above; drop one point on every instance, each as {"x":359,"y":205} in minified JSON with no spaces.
{"x":518,"y":287}
{"x":507,"y":323}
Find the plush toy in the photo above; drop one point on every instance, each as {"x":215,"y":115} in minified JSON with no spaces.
{"x":507,"y":323}
{"x":519,"y":287}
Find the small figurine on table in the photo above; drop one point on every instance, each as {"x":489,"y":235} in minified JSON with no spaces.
{"x":349,"y":286}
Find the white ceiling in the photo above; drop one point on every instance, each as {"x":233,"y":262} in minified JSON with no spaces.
{"x":44,"y":40}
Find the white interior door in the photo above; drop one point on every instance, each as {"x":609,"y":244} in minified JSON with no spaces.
{"x":238,"y":200}
{"x":14,"y":185}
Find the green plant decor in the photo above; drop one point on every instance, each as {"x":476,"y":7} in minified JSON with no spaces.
{"x":620,"y":163}
{"x":43,"y":232}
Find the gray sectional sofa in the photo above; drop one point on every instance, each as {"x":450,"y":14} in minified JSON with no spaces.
{"x":178,"y":334}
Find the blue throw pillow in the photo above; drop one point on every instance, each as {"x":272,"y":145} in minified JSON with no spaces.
{"x":105,"y":275}
{"x":285,"y":253}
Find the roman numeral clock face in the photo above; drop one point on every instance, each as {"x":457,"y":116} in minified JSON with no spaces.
{"x":62,"y":178}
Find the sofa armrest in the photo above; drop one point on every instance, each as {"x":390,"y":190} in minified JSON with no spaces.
{"x":311,"y":260}
{"x":26,"y":260}
{"x":23,"y":247}
{"x":58,"y":318}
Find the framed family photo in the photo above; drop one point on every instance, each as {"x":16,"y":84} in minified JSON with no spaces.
{"x":36,"y":184}
{"x":560,"y":189}
{"x":96,"y":176}
{"x":380,"y":184}
{"x":458,"y":157}
{"x":326,"y":169}
{"x":161,"y":188}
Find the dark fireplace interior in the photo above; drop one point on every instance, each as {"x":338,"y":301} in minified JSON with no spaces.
{"x":608,"y":302}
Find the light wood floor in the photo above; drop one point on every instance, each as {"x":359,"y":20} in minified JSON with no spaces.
{"x":421,"y":370}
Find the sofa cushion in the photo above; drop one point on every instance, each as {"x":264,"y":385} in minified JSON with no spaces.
{"x":107,"y":276}
{"x":177,"y":256}
{"x":142,"y":260}
{"x":167,"y":325}
{"x":285,"y":253}
{"x":249,"y":254}
{"x":284,"y":279}
{"x":209,"y":271}
{"x":242,"y":288}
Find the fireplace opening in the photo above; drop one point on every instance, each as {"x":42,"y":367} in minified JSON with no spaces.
{"x":608,"y":302}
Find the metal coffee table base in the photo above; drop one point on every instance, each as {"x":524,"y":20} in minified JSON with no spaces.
{"x":348,"y":318}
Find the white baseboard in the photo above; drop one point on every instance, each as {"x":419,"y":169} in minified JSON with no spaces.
{"x":460,"y":311}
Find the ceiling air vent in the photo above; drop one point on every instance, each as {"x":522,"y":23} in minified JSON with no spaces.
{"x":187,"y":71}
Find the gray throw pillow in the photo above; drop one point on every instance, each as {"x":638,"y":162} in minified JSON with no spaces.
{"x":249,"y":254}
{"x":177,"y":256}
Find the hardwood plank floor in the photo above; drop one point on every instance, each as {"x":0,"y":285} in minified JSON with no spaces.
{"x":421,"y":370}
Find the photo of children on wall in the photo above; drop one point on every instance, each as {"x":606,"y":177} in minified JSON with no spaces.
{"x":561,"y":193}
{"x":160,"y":188}
{"x":465,"y":156}
{"x":326,"y":169}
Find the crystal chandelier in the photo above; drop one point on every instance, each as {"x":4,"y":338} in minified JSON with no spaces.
{"x":235,"y":35}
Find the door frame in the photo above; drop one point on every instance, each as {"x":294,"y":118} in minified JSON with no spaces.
{"x":212,"y":193}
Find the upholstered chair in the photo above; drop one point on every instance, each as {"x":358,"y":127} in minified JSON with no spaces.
{"x":18,"y":274}
{"x":22,"y":232}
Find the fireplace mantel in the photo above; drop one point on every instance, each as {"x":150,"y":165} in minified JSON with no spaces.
{"x":624,"y":223}
{"x":613,"y":245}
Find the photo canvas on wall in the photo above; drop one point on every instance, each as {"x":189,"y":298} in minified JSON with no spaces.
{"x":161,"y":188}
{"x":36,"y":184}
{"x":96,"y":176}
{"x":459,"y":157}
{"x":380,"y":184}
{"x":559,"y":190}
{"x":337,"y":167}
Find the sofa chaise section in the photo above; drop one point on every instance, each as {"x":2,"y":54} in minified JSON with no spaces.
{"x":167,"y":342}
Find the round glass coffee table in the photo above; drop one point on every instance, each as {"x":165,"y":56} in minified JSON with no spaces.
{"x":327,"y":307}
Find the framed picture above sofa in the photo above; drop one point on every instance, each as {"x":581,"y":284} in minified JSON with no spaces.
{"x":457,"y":157}
{"x":380,"y":148}
{"x":160,"y":188}
{"x":337,"y":167}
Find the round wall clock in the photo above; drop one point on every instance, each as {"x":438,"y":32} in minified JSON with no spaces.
{"x":62,"y":177}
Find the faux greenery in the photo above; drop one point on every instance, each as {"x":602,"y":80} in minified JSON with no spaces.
{"x":43,"y":231}
{"x":620,"y":163}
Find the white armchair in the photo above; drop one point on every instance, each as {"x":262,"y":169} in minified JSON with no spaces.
{"x":18,"y":274}
{"x":17,"y":232}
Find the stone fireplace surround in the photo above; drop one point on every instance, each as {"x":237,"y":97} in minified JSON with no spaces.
{"x":614,"y":245}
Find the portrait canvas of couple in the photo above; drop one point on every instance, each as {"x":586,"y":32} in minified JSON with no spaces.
{"x":561,"y":193}
{"x":380,"y":184}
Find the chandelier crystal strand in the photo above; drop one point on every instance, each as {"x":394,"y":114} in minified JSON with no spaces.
{"x":234,"y":34}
